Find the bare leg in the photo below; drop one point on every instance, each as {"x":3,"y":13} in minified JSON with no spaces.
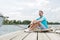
{"x":33,"y":21}
{"x":34,"y":25}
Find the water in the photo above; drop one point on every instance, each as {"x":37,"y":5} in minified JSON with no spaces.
{"x":5,"y":29}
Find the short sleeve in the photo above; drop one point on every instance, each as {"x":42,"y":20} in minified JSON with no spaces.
{"x":41,"y":19}
{"x":38,"y":18}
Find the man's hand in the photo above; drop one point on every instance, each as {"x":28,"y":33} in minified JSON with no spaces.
{"x":35,"y":21}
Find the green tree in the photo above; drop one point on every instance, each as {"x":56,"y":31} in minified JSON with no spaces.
{"x":14,"y":21}
{"x":26,"y":22}
{"x":5,"y":21}
{"x":18,"y":22}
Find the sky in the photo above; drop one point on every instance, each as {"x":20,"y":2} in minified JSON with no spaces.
{"x":28,"y":9}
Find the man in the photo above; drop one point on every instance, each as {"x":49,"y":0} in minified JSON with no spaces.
{"x":39,"y":22}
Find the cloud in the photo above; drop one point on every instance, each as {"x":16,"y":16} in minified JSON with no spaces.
{"x":28,"y":9}
{"x":22,"y":8}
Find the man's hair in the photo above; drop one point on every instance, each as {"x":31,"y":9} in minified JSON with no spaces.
{"x":40,"y":11}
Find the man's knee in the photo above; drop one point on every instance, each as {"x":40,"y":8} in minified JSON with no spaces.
{"x":39,"y":23}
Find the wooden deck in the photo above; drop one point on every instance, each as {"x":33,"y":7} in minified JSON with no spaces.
{"x":21,"y":35}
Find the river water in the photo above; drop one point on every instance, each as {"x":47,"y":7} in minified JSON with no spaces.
{"x":5,"y":29}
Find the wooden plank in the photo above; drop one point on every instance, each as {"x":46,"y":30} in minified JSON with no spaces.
{"x":10,"y":35}
{"x":20,"y":36}
{"x":32,"y":36}
{"x":42,"y":36}
{"x":53,"y":36}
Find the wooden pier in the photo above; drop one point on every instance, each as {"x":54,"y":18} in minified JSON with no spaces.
{"x":21,"y":35}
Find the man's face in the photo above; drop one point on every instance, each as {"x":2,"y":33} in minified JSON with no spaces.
{"x":40,"y":13}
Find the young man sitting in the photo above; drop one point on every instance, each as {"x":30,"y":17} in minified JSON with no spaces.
{"x":39,"y":22}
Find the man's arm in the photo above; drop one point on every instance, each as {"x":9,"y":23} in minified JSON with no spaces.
{"x":41,"y":19}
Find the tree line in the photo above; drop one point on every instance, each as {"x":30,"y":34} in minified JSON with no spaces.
{"x":23,"y":22}
{"x":16,"y":22}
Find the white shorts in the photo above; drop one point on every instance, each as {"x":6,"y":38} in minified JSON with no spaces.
{"x":41,"y":27}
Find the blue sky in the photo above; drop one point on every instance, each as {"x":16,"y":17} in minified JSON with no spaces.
{"x":28,"y":9}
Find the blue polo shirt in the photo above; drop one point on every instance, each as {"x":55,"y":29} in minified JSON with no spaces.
{"x":43,"y":20}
